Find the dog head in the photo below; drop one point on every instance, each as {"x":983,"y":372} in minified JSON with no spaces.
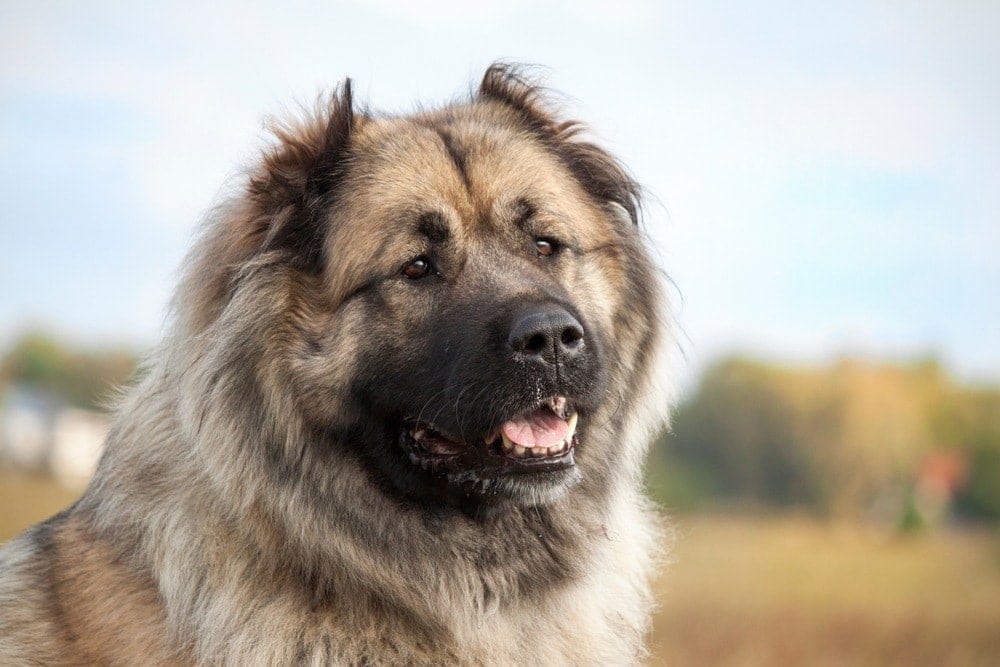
{"x":459,"y":299}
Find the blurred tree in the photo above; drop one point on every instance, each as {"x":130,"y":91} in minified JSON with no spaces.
{"x":834,"y":440}
{"x":85,"y":378}
{"x":740,"y":430}
{"x":975,"y":423}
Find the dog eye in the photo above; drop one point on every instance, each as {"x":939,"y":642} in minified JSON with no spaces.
{"x":418,"y":268}
{"x":545,"y":247}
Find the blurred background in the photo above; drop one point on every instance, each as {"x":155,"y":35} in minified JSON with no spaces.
{"x":824,"y":193}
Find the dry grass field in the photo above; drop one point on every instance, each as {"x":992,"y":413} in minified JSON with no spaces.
{"x":26,"y":499}
{"x":788,"y":591}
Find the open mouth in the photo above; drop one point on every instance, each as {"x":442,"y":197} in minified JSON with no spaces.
{"x":540,"y":439}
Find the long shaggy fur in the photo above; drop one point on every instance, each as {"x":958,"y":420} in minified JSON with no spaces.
{"x":233,"y":518}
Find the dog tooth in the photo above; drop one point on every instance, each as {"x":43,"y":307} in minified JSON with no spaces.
{"x":571,"y":422}
{"x":518,"y":450}
{"x":507,"y":444}
{"x":559,"y":406}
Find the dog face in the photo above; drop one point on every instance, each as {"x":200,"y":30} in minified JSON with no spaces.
{"x":483,"y":353}
{"x":466,"y":291}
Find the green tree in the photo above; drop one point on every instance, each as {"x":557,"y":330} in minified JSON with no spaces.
{"x":85,"y":378}
{"x":832,"y":439}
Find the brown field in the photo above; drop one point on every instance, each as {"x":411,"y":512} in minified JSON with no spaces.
{"x":788,"y":591}
{"x":26,"y":499}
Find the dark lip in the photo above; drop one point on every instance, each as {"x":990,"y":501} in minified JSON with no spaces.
{"x":562,"y":461}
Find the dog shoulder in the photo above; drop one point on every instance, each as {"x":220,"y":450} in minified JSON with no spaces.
{"x":31,"y":628}
{"x":68,"y":597}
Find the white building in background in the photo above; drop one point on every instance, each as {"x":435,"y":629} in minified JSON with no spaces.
{"x":26,"y":417}
{"x":24,"y":439}
{"x":42,"y":434}
{"x":77,"y":442}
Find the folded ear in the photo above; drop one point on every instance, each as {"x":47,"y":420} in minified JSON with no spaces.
{"x":297,"y":177}
{"x":598,"y":171}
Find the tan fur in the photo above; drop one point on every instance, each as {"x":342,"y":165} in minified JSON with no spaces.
{"x":216,"y":530}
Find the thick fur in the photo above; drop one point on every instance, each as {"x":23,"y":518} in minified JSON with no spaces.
{"x":252,"y":506}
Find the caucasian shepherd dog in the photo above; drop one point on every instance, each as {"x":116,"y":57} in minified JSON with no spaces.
{"x":399,"y":417}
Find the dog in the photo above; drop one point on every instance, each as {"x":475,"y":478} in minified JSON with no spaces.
{"x":399,"y":415}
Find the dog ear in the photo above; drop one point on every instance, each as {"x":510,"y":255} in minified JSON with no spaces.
{"x":600,"y":174}
{"x":298,"y":175}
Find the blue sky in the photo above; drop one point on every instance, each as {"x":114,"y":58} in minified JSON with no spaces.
{"x":823,"y":180}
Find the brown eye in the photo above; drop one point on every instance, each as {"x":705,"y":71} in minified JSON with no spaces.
{"x":418,"y":268}
{"x":545,"y":248}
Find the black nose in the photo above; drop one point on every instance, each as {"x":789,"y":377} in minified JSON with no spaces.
{"x":546,"y":333}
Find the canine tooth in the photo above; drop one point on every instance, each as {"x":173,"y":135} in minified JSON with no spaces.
{"x":518,"y":450}
{"x":507,"y":444}
{"x":557,"y":404}
{"x":571,"y":422}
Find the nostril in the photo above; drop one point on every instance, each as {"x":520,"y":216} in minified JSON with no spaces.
{"x":536,"y":343}
{"x":572,"y":337}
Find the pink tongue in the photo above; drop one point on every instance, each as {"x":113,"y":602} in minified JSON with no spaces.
{"x":539,"y":429}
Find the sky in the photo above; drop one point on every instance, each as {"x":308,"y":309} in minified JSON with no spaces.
{"x":822,"y":180}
